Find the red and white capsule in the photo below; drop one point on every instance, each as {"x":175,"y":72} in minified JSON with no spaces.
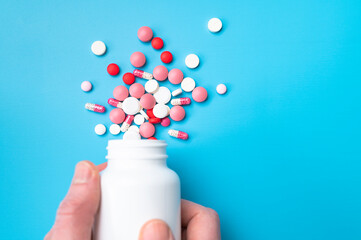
{"x":178,"y":134}
{"x":181,"y":101}
{"x":142,"y":74}
{"x":115,"y":103}
{"x":127,"y":122}
{"x":95,"y":107}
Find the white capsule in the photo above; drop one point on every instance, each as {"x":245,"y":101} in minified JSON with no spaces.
{"x":177,"y":92}
{"x":114,"y":129}
{"x":100,"y":129}
{"x":144,"y":114}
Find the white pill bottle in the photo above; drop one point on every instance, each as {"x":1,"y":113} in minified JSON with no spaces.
{"x":137,"y":186}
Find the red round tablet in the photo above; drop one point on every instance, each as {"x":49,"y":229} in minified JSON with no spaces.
{"x":152,"y":138}
{"x":166,"y":57}
{"x":155,"y":120}
{"x":157,"y":43}
{"x":128,"y":78}
{"x":113,"y":69}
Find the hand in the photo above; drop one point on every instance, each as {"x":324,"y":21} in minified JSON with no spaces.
{"x":76,"y":213}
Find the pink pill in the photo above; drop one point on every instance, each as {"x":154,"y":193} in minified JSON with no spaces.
{"x":145,"y":34}
{"x":175,"y":76}
{"x":177,"y":113}
{"x":120,"y":93}
{"x":137,"y":59}
{"x":136,"y":90}
{"x":160,"y":73}
{"x":86,"y":86}
{"x":147,"y":101}
{"x":117,"y":116}
{"x":147,"y":130}
{"x":199,"y":94}
{"x":165,"y":122}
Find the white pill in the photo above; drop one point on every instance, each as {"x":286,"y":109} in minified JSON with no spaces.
{"x":134,"y":128}
{"x":215,"y":25}
{"x":151,"y":86}
{"x":161,"y":110}
{"x":131,"y":105}
{"x":177,"y":92}
{"x":138,"y":119}
{"x":221,"y":88}
{"x":163,"y":95}
{"x":188,"y":84}
{"x":192,"y":61}
{"x":98,"y":48}
{"x":131,"y":135}
{"x":114,"y":129}
{"x":144,"y":114}
{"x":100,"y":129}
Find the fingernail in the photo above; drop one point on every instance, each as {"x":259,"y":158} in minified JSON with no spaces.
{"x":83,"y":173}
{"x":156,"y":230}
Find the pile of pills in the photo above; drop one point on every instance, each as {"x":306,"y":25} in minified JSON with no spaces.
{"x":139,"y":108}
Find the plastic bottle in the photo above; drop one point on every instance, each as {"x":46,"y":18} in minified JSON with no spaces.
{"x":137,"y":186}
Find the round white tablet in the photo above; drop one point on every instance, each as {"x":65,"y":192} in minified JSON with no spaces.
{"x":100,"y":129}
{"x":131,"y":135}
{"x":161,"y":110}
{"x":188,"y":84}
{"x":176,"y":92}
{"x":114,"y":129}
{"x":98,"y":48}
{"x":163,"y":95}
{"x":134,"y":128}
{"x":151,"y":86}
{"x":131,"y":105}
{"x":192,"y":61}
{"x":221,"y":89}
{"x":139,"y":119}
{"x":215,"y":25}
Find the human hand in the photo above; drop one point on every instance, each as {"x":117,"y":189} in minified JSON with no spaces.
{"x":76,"y":213}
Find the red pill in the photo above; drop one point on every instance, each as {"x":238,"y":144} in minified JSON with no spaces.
{"x":155,"y":120}
{"x":166,"y":57}
{"x":150,"y":113}
{"x":157,"y":43}
{"x":128,"y":78}
{"x":152,"y":138}
{"x":113,"y":69}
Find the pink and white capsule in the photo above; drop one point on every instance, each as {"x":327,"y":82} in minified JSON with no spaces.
{"x":115,"y":103}
{"x":95,"y":107}
{"x":142,"y":74}
{"x":181,"y":101}
{"x":127,"y":122}
{"x":178,"y":134}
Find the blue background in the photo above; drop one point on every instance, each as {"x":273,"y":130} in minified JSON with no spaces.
{"x":278,"y":156}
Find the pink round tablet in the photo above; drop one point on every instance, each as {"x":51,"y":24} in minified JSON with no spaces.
{"x":199,"y":94}
{"x":160,"y":73}
{"x":86,"y":86}
{"x":137,"y":59}
{"x":165,"y":122}
{"x":117,"y":116}
{"x":147,"y":101}
{"x":147,"y":130}
{"x":145,"y":34}
{"x":120,"y":93}
{"x":136,"y":90}
{"x":177,"y":113}
{"x":175,"y":76}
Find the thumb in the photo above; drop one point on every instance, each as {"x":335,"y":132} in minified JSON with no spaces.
{"x":155,"y":230}
{"x":76,"y":213}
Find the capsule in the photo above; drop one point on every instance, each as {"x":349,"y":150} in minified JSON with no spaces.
{"x":144,"y":114}
{"x":127,"y":122}
{"x":177,"y":92}
{"x":95,"y":107}
{"x":142,"y":74}
{"x":181,"y":101}
{"x":178,"y":134}
{"x":115,"y":103}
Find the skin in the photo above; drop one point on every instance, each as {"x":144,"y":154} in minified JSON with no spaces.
{"x":76,"y":213}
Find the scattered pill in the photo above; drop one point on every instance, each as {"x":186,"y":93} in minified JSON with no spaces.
{"x":160,"y":73}
{"x":145,"y":34}
{"x":221,"y":89}
{"x":128,"y":78}
{"x":151,"y":86}
{"x":134,"y":128}
{"x":131,"y":135}
{"x":188,"y":84}
{"x":127,"y":122}
{"x":117,"y":116}
{"x":136,"y":90}
{"x":139,"y":119}
{"x":86,"y":86}
{"x":175,"y":76}
{"x":177,"y":92}
{"x":214,"y":25}
{"x":163,"y":95}
{"x":199,"y":94}
{"x":142,"y":74}
{"x":131,"y":106}
{"x":113,"y":69}
{"x":178,"y":134}
{"x":161,"y":110}
{"x":181,"y":101}
{"x":95,"y":107}
{"x":157,"y":43}
{"x":147,"y":130}
{"x":165,"y":122}
{"x":147,"y":101}
{"x":137,"y":59}
{"x":98,"y":48}
{"x":166,"y":57}
{"x":115,"y":103}
{"x":192,"y":61}
{"x":120,"y":93}
{"x":100,"y":129}
{"x":114,"y":129}
{"x":155,"y":120}
{"x":152,"y":138}
{"x":144,"y":114}
{"x":177,"y":113}
{"x":150,"y":113}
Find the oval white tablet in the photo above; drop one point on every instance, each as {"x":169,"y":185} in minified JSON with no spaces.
{"x":138,"y":119}
{"x":151,"y":86}
{"x":163,"y":95}
{"x":192,"y":61}
{"x":114,"y":129}
{"x":161,"y":110}
{"x":98,"y":48}
{"x":131,"y":135}
{"x":176,"y":92}
{"x":134,"y":128}
{"x":214,"y":25}
{"x":188,"y":84}
{"x":131,"y":105}
{"x":100,"y":129}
